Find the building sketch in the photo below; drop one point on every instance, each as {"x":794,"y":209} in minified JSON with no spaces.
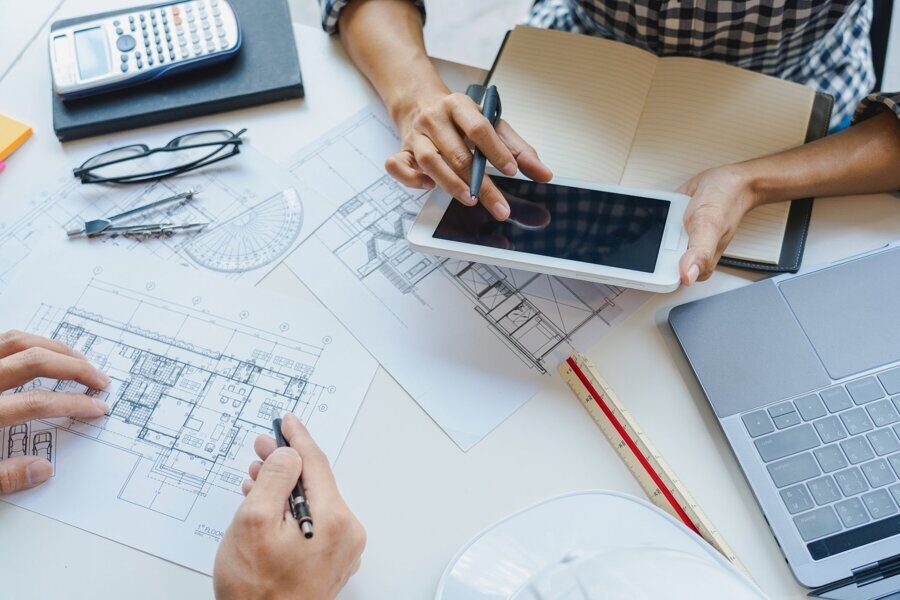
{"x":187,"y":413}
{"x":533,"y":314}
{"x":368,"y":235}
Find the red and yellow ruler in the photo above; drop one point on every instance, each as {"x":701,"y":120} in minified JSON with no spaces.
{"x":654,"y":475}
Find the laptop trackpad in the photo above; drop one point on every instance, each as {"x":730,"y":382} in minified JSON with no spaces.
{"x":746,"y":348}
{"x":849,"y":312}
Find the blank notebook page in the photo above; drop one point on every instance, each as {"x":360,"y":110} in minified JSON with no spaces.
{"x":700,"y":114}
{"x":575,"y":98}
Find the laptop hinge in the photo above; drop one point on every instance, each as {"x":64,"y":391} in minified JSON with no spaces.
{"x":862,"y":576}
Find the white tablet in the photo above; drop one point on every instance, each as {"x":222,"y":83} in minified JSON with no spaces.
{"x":596,"y":232}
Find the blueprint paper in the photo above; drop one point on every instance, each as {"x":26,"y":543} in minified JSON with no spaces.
{"x":471,"y":343}
{"x":257,"y":213}
{"x":199,"y":368}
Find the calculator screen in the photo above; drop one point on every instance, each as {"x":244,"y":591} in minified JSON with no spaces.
{"x":92,"y":52}
{"x":603,"y":228}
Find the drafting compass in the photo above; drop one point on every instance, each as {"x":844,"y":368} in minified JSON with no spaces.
{"x":106,"y":227}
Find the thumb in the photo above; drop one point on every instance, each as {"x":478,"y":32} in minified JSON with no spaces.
{"x":699,"y":260}
{"x":23,"y":472}
{"x":689,"y":187}
{"x":276,"y":479}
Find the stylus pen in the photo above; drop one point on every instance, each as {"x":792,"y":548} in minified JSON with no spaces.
{"x":298,"y":504}
{"x":491,"y":111}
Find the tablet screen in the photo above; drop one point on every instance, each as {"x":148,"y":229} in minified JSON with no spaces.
{"x":603,"y":228}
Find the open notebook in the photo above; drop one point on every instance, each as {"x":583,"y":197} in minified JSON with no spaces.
{"x":604,"y":111}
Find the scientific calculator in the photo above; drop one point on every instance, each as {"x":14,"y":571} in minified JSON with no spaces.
{"x":109,"y":51}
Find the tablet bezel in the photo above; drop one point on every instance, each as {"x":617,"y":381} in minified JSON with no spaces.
{"x":664,"y":278}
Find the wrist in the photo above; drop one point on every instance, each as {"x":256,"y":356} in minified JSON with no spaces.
{"x":757,"y":186}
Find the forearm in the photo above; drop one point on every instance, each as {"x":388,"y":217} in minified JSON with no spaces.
{"x":864,"y":158}
{"x":384,"y":40}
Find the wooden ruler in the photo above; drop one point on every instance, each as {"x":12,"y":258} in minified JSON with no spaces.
{"x":652,"y":472}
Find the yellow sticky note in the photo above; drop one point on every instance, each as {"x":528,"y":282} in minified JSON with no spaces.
{"x":12,"y":135}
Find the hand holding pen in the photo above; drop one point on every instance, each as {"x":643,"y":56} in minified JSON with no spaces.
{"x":435,"y":128}
{"x":264,"y":553}
{"x":297,"y":502}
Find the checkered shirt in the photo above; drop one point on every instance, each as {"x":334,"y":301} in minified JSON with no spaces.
{"x":822,"y":44}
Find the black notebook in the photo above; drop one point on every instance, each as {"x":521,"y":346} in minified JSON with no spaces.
{"x":266,"y":69}
{"x":601,"y":110}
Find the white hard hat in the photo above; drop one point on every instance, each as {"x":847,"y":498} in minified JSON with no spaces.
{"x":587,"y":546}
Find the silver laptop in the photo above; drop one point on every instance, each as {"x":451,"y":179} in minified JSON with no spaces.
{"x":803,"y":373}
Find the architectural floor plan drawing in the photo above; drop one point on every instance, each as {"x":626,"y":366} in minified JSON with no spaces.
{"x":531,"y":313}
{"x":257,"y":214}
{"x":198,"y":371}
{"x":435,"y":323}
{"x":368,"y":235}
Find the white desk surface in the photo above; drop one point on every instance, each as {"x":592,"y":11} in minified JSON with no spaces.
{"x":420,"y":497}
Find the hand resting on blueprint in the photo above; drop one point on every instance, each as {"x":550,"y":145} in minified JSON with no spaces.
{"x":263,"y":553}
{"x":24,"y":358}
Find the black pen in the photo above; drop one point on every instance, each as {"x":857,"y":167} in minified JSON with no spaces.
{"x":298,"y":504}
{"x":490,"y":108}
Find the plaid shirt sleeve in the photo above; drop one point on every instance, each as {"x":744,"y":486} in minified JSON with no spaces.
{"x":875,"y":103}
{"x":331,"y":11}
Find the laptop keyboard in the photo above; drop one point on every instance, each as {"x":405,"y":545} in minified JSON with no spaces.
{"x":835,"y":458}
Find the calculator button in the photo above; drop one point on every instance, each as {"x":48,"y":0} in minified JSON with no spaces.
{"x":126,"y":43}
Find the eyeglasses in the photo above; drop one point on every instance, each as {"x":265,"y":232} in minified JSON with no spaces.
{"x":139,"y":163}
